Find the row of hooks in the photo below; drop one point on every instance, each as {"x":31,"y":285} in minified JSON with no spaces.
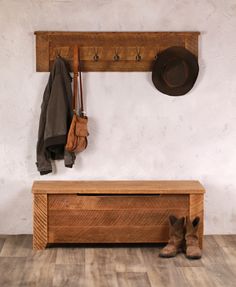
{"x":116,"y":57}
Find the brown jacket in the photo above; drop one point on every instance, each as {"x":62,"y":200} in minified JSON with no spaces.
{"x":55,"y":119}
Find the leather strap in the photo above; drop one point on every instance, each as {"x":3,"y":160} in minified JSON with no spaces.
{"x":81,"y":90}
{"x":77,"y":70}
{"x":75,"y":79}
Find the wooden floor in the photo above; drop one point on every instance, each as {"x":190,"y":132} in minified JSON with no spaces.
{"x":115,"y":267}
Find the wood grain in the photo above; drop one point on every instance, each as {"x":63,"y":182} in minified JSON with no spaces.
{"x":38,"y":268}
{"x":100,"y":266}
{"x":196,"y":208}
{"x":133,"y":279}
{"x":2,"y":240}
{"x":119,"y":187}
{"x":117,"y":266}
{"x":69,"y":275}
{"x":191,"y":44}
{"x":112,"y":211}
{"x":40,"y":221}
{"x":70,"y":256}
{"x":16,"y":246}
{"x":11,"y":270}
{"x":108,"y":234}
{"x":142,"y":217}
{"x":42,"y":52}
{"x":106,"y":44}
{"x":105,"y":202}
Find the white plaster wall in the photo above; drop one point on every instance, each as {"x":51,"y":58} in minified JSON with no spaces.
{"x":135,"y":131}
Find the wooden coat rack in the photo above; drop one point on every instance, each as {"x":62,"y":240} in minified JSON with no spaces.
{"x":109,"y":51}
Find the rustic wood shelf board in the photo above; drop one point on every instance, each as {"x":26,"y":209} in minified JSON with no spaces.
{"x":111,"y":211}
{"x":118,"y":186}
{"x":106,"y":45}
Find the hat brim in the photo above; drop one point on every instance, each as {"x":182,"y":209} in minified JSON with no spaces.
{"x":159,"y":65}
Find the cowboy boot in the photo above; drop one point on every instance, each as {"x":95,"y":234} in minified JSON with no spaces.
{"x":193,"y":250}
{"x":176,"y":237}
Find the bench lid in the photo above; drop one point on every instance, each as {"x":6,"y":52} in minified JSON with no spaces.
{"x":119,"y":187}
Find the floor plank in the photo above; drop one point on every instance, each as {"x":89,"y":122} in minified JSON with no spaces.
{"x":129,"y":266}
{"x":2,"y":236}
{"x":166,"y":276}
{"x":17,"y":246}
{"x":70,"y":256}
{"x":151,"y":258}
{"x":181,"y":261}
{"x":11,"y":271}
{"x":221,"y":275}
{"x":100,"y":267}
{"x":225,"y":240}
{"x":196,"y":276}
{"x":133,"y":279}
{"x":72,"y":275}
{"x":2,"y":240}
{"x":212,"y":253}
{"x":95,"y":277}
{"x":39,"y":275}
{"x":129,"y":260}
{"x":39,"y":268}
{"x":229,"y":255}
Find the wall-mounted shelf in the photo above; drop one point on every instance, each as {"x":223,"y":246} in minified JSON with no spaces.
{"x":109,"y":51}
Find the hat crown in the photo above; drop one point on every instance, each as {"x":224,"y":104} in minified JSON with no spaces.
{"x":175,"y":73}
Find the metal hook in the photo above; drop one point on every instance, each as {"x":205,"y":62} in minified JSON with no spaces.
{"x":116,"y":57}
{"x":58,"y":53}
{"x":138,"y":56}
{"x":158,"y":51}
{"x":95,"y":57}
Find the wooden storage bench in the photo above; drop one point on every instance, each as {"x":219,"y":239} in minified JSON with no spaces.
{"x":111,"y":211}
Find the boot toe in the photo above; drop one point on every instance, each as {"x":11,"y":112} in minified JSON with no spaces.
{"x":193,"y":252}
{"x":168,"y":252}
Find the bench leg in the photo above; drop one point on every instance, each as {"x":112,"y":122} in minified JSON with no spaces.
{"x":196,"y":207}
{"x":40,"y":225}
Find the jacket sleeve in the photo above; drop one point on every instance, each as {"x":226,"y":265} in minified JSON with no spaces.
{"x":43,"y":163}
{"x":69,"y":158}
{"x":55,"y":119}
{"x":55,"y":132}
{"x":58,"y":119}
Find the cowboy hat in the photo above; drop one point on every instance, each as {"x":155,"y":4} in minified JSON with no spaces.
{"x":175,"y":71}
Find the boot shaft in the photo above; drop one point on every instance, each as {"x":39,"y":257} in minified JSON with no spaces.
{"x":176,"y":229}
{"x":176,"y":237}
{"x":191,"y":233}
{"x":193,"y":250}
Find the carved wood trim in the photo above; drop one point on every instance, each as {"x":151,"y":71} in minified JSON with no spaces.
{"x":106,"y":44}
{"x":196,"y":208}
{"x":40,"y":222}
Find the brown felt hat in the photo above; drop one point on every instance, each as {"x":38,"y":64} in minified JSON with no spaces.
{"x":175,"y":71}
